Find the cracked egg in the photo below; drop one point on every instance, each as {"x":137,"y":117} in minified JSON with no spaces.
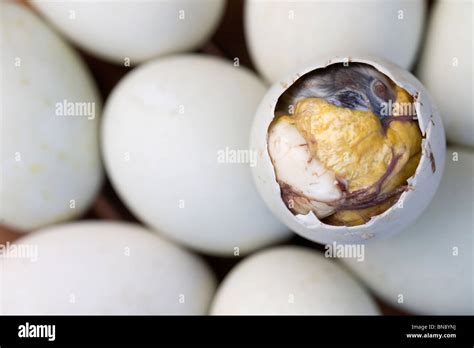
{"x":349,"y":149}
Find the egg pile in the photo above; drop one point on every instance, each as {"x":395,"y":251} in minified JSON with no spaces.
{"x":206,"y":157}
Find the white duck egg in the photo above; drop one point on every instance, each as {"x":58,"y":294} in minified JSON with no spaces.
{"x":102,"y":268}
{"x":286,"y":35}
{"x":51,"y":167}
{"x":428,"y":269}
{"x":291,"y":281}
{"x":446,"y":66}
{"x":175,"y":143}
{"x":349,"y":149}
{"x":131,"y":31}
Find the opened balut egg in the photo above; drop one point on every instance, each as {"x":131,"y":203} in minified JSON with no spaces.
{"x":349,"y":149}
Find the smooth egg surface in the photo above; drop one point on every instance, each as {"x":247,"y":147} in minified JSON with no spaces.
{"x":131,"y":31}
{"x":286,"y":35}
{"x":102,"y":268}
{"x":175,"y":144}
{"x":446,"y":67}
{"x":288,"y":281}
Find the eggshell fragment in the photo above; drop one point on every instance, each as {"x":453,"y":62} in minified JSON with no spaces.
{"x":428,"y":269}
{"x":412,"y":202}
{"x":446,"y":67}
{"x":287,"y":35}
{"x":50,"y":113}
{"x":291,"y":280}
{"x":102,"y":268}
{"x":175,"y":145}
{"x":129,"y":32}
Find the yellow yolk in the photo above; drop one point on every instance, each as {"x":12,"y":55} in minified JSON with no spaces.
{"x":354,"y":145}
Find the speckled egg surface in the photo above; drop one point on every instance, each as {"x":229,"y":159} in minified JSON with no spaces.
{"x":50,"y":117}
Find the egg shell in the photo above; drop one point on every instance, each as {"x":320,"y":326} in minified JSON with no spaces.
{"x":51,"y":166}
{"x":103,"y":268}
{"x":431,"y":264}
{"x":137,"y":30}
{"x":445,"y":67}
{"x":165,"y":127}
{"x":411,"y":203}
{"x":288,"y":281}
{"x":285,"y":35}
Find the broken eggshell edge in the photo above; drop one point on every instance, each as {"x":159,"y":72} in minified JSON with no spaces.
{"x":423,"y":184}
